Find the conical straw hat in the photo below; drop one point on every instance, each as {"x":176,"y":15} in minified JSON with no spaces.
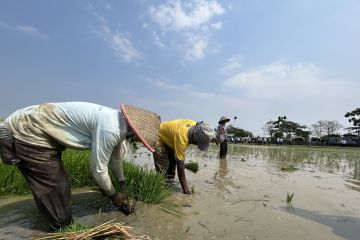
{"x":224,"y":119}
{"x":145,"y":124}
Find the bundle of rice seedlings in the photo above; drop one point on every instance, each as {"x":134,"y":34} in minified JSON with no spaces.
{"x":111,"y":230}
{"x":192,"y":166}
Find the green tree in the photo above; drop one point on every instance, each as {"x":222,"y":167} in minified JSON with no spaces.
{"x":354,"y":118}
{"x":1,"y":119}
{"x":288,"y":129}
{"x":238,"y":132}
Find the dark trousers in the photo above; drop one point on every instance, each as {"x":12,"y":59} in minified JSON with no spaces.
{"x":223,"y":149}
{"x":164,"y":160}
{"x":44,"y":172}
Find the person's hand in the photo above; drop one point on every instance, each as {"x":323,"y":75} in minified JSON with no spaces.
{"x":187,"y":192}
{"x":117,"y":199}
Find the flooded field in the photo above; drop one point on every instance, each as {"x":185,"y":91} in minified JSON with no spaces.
{"x":240,"y":197}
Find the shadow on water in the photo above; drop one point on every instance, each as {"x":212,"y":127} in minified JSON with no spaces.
{"x":343,"y":226}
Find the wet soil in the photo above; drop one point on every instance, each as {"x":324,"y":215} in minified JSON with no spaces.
{"x":240,"y":197}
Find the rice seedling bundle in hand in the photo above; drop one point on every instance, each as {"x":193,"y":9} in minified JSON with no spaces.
{"x":192,"y":166}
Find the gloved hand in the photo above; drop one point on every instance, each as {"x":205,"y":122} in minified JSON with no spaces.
{"x":123,"y":187}
{"x":117,"y":199}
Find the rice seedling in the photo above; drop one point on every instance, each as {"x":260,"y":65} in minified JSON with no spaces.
{"x":12,"y":181}
{"x":192,"y":166}
{"x":289,"y":197}
{"x":74,"y":228}
{"x":288,"y":168}
{"x":143,"y":184}
{"x":193,"y":189}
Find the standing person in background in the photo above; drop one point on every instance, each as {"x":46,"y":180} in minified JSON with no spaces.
{"x":33,"y":138}
{"x":221,"y":136}
{"x":174,"y":138}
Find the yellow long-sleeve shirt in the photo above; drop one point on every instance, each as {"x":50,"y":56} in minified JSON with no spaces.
{"x":174,"y":134}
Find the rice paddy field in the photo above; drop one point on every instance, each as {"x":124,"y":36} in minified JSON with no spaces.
{"x":257,"y":192}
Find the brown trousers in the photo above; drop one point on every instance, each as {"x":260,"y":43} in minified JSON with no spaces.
{"x":164,"y":160}
{"x":44,"y":172}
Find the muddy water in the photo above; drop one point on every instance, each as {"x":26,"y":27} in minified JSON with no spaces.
{"x":241,"y":197}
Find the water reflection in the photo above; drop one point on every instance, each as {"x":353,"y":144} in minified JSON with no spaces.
{"x":331,"y":160}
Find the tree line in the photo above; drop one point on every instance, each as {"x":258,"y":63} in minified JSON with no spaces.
{"x":284,"y":128}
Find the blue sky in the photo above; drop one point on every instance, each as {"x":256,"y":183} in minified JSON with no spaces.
{"x":185,"y":59}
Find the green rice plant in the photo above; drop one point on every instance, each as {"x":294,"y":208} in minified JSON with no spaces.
{"x":143,"y":184}
{"x":75,"y":227}
{"x":192,"y":166}
{"x":12,"y":181}
{"x":77,"y":165}
{"x":289,"y":197}
{"x":288,"y":168}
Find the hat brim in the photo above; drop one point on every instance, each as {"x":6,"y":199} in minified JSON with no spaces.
{"x":224,"y":121}
{"x":131,"y":124}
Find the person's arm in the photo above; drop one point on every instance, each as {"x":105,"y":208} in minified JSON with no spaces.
{"x":181,"y":143}
{"x":102,"y":147}
{"x":181,"y":175}
{"x":116,"y":165}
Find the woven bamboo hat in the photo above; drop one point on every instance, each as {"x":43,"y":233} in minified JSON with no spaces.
{"x":143,"y":123}
{"x":224,"y":119}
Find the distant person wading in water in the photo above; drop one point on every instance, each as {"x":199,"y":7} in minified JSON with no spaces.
{"x":34,"y":137}
{"x":221,"y":136}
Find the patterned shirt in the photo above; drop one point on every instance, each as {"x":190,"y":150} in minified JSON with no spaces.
{"x":221,"y":132}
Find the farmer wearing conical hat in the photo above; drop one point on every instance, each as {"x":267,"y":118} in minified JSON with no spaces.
{"x":221,"y":136}
{"x":174,"y":137}
{"x":33,"y":138}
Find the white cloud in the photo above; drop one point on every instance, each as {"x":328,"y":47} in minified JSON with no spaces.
{"x":180,"y":15}
{"x":157,"y":40}
{"x":299,"y":91}
{"x":27,"y":29}
{"x":217,"y":25}
{"x":31,"y":30}
{"x":232,"y":64}
{"x":280,"y":79}
{"x":196,"y":49}
{"x":190,"y":21}
{"x":118,"y":42}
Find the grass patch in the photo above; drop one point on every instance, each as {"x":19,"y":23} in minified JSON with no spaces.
{"x":143,"y":184}
{"x":192,"y":166}
{"x":75,"y":227}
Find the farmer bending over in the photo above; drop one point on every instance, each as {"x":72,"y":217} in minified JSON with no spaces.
{"x":34,"y":137}
{"x":174,"y":138}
